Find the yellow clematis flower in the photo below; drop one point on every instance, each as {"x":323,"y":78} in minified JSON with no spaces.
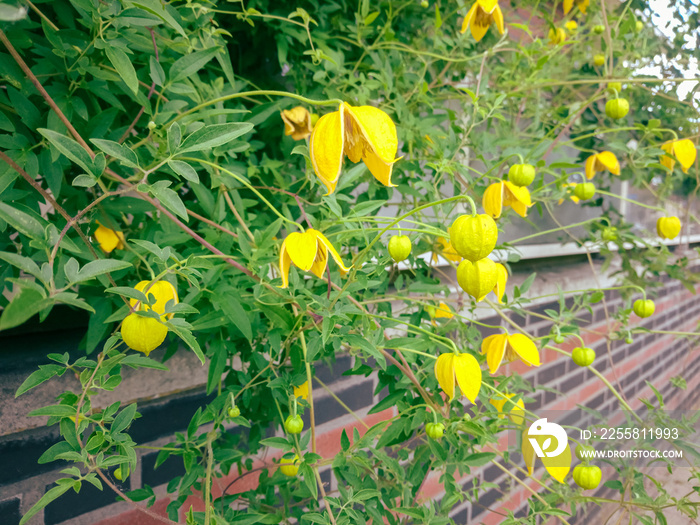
{"x":605,"y":160}
{"x":302,"y":391}
{"x":163,"y":291}
{"x":505,"y":193}
{"x":571,"y":196}
{"x":514,"y":409}
{"x":442,"y":311}
{"x":581,"y":4}
{"x":480,"y":17}
{"x":297,"y":122}
{"x":362,"y":133}
{"x":143,"y":334}
{"x":571,"y":26}
{"x":557,"y":36}
{"x":465,"y":368}
{"x":109,"y":239}
{"x":444,"y":247}
{"x":501,"y":280}
{"x":668,"y":227}
{"x":498,"y":347}
{"x":309,"y":252}
{"x":683,"y":150}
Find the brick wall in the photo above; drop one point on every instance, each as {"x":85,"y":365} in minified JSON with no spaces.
{"x":168,"y":400}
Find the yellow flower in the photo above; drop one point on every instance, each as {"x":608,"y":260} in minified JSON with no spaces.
{"x":143,"y":334}
{"x":581,"y":4}
{"x":163,"y":291}
{"x":501,"y":280}
{"x":498,"y":347}
{"x":465,"y":368}
{"x":302,"y":391}
{"x":309,"y":252}
{"x":571,"y":26}
{"x":683,"y":150}
{"x":297,"y":122}
{"x":515,"y":410}
{"x":109,"y":239}
{"x":668,"y":227}
{"x":477,"y":278}
{"x":289,"y":467}
{"x":362,"y":133}
{"x":571,"y":195}
{"x":505,"y":193}
{"x":444,"y":248}
{"x":605,"y":160}
{"x":557,"y":36}
{"x":480,"y":17}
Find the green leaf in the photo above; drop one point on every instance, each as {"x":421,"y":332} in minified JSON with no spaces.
{"x":309,"y":480}
{"x":189,"y":64}
{"x":84,"y":181}
{"x":118,"y":151}
{"x":25,"y":264}
{"x":184,"y":170}
{"x":141,"y":361}
{"x":44,"y":373}
{"x":235,"y":312}
{"x":73,"y":300}
{"x":478,"y":459}
{"x":277,"y":442}
{"x":169,"y":198}
{"x":214,"y":135}
{"x":47,"y":498}
{"x":156,"y":8}
{"x":369,"y":348}
{"x":70,"y":149}
{"x":174,"y":137}
{"x":50,"y":455}
{"x":11,"y":13}
{"x":23,"y":306}
{"x":157,"y":73}
{"x":188,"y":338}
{"x":124,"y":67}
{"x":54,"y":410}
{"x":21,"y":221}
{"x":99,"y":267}
{"x":124,"y":418}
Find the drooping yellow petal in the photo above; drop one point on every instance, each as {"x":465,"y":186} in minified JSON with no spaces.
{"x":377,"y":128}
{"x":336,"y":256}
{"x":320,"y":262}
{"x":501,"y":281}
{"x":525,"y":349}
{"x":494,"y":346}
{"x":583,"y":5}
{"x":667,"y":160}
{"x":492,"y":201}
{"x":444,"y":373}
{"x":297,"y":122}
{"x":528,"y":451}
{"x":568,"y":4}
{"x":498,"y":18}
{"x":517,"y":411}
{"x":302,"y":248}
{"x":326,"y":148}
{"x":609,"y":160}
{"x":685,"y":153}
{"x":285,"y":261}
{"x":488,"y":5}
{"x":517,"y":197}
{"x":302,"y":391}
{"x":468,"y":373}
{"x":109,"y":239}
{"x":558,"y":466}
{"x":590,"y":166}
{"x":163,"y":291}
{"x":480,"y":24}
{"x":469,"y":19}
{"x":443,"y":311}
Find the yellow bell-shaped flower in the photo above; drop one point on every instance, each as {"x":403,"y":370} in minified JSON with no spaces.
{"x":498,"y":347}
{"x":297,"y":122}
{"x":109,"y":239}
{"x":444,"y":247}
{"x":143,"y":334}
{"x":309,"y":252}
{"x":605,"y":160}
{"x":505,"y":193}
{"x":581,"y":4}
{"x":501,"y":280}
{"x":504,"y":405}
{"x":465,"y":368}
{"x":668,"y":227}
{"x":163,"y":291}
{"x":302,"y":391}
{"x":363,"y":133}
{"x":683,"y":150}
{"x":480,"y":17}
{"x":477,"y":278}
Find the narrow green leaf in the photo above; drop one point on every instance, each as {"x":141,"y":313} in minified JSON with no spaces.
{"x":44,"y":373}
{"x":47,"y":498}
{"x":238,"y":316}
{"x":124,"y":418}
{"x":54,"y":410}
{"x":189,"y":64}
{"x":174,"y":137}
{"x":99,"y":267}
{"x":188,"y":338}
{"x":214,"y":135}
{"x":69,"y":148}
{"x":184,"y":170}
{"x":23,"y":306}
{"x":124,"y":67}
{"x":277,"y":442}
{"x":169,"y":198}
{"x":25,"y":264}
{"x":157,"y":73}
{"x":156,"y":8}
{"x":118,"y":151}
{"x":21,"y":221}
{"x":58,"y":448}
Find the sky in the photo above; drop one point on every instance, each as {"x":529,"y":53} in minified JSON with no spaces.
{"x":661,"y":17}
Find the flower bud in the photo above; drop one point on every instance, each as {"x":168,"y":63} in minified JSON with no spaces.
{"x":668,"y":227}
{"x":598,"y":29}
{"x":617,"y":108}
{"x":599,"y":60}
{"x":474,"y":236}
{"x":644,"y":308}
{"x":399,"y":247}
{"x":521,"y":174}
{"x":584,"y":190}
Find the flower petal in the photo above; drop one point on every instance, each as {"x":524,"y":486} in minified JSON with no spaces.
{"x":528,"y":453}
{"x":558,"y":466}
{"x":501,"y":280}
{"x":378,"y":168}
{"x":302,"y":248}
{"x":378,"y":130}
{"x":326,"y":148}
{"x":479,"y":29}
{"x":568,"y":4}
{"x":468,"y":20}
{"x":590,"y":167}
{"x":667,"y":160}
{"x":444,"y":373}
{"x":321,"y":261}
{"x":488,"y":5}
{"x":108,"y":239}
{"x":525,"y":349}
{"x":685,"y":153}
{"x":494,"y":346}
{"x":336,"y":256}
{"x":468,"y":373}
{"x":285,"y":261}
{"x":492,"y":202}
{"x":498,"y":18}
{"x":609,"y":160}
